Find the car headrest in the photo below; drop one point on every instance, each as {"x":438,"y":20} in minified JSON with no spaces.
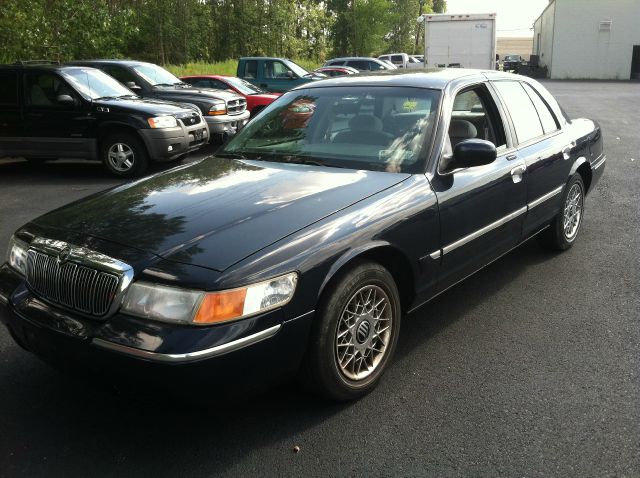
{"x":365,"y":123}
{"x":462,"y":129}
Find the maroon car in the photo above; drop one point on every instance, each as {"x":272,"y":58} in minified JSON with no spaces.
{"x":257,"y":99}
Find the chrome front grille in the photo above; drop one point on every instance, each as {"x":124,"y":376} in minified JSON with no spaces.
{"x":235,"y":107}
{"x":72,"y":285}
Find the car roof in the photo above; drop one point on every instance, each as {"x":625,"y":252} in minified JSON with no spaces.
{"x":108,"y":62}
{"x":353,"y":58}
{"x":41,"y":66}
{"x":266,"y":58}
{"x":429,"y":78}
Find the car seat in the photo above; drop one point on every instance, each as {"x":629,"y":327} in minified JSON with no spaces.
{"x":364,"y":129}
{"x":459,"y":130}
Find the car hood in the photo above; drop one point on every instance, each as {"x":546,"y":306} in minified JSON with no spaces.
{"x":149,"y":106}
{"x":266,"y":96}
{"x":215,"y":212}
{"x":186,"y":94}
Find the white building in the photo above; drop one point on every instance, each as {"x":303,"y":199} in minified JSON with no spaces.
{"x":590,"y":39}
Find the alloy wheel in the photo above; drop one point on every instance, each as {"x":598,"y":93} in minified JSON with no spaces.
{"x":573,"y":212}
{"x":121,"y":157}
{"x":364,"y":331}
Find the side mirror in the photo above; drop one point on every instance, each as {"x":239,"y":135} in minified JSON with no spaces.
{"x":132,"y":86}
{"x":290,"y":75}
{"x":65,"y":100}
{"x":472,"y":152}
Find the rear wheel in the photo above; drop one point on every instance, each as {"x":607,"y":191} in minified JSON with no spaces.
{"x":355,"y":334}
{"x":124,"y":155}
{"x":564,"y":229}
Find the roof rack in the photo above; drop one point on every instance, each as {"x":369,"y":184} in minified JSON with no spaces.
{"x":38,"y":62}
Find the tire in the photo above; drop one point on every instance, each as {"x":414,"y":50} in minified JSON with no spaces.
{"x":124,"y":155}
{"x":561,"y":235}
{"x":334,"y":365}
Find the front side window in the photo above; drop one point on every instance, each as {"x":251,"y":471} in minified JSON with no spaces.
{"x":123,"y":75}
{"x":523,"y":113}
{"x":43,"y":89}
{"x":358,"y":64}
{"x":276,"y":70}
{"x":8,"y":88}
{"x":382,"y":128}
{"x":475,"y":115}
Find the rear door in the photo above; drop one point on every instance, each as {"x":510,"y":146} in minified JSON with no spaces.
{"x":54,"y":129}
{"x":482,"y":208}
{"x":544,"y":147}
{"x":10,"y":114}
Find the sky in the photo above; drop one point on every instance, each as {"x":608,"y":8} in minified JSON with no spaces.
{"x":514,"y":17}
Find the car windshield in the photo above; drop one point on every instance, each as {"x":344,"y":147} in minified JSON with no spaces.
{"x":243,"y":86}
{"x":94,"y":84}
{"x":297,"y":69}
{"x":375,"y":128}
{"x":512,"y":57}
{"x":156,"y":75}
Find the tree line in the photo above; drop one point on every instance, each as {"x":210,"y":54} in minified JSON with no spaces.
{"x":182,"y":31}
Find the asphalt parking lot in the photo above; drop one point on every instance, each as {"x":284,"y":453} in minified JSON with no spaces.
{"x":529,"y":368}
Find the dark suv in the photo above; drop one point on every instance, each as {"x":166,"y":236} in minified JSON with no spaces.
{"x":225,"y":111}
{"x":52,"y":111}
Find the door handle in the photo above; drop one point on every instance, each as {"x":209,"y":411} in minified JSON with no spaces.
{"x":517,"y":172}
{"x":511,"y":157}
{"x":566,"y":151}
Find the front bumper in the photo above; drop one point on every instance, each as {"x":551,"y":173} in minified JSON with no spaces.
{"x":227,"y":124}
{"x":246,"y":353}
{"x":170,"y":143}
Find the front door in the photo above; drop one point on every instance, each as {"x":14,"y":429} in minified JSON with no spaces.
{"x":278,"y":77}
{"x":54,"y":128}
{"x":482,"y":208}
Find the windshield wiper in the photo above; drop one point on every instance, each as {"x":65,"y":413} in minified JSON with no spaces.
{"x":301,"y":160}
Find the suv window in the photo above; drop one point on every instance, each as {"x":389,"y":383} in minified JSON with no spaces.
{"x":523,"y":113}
{"x":475,"y":115}
{"x":336,"y":63}
{"x":548,"y":120}
{"x":250,"y":69}
{"x":8,"y":88}
{"x":120,"y":74}
{"x":275,"y":69}
{"x":359,"y":64}
{"x":373,"y":66}
{"x":42,"y":89}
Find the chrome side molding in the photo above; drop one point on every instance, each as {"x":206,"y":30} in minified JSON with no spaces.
{"x":545,"y":197}
{"x":191,"y":356}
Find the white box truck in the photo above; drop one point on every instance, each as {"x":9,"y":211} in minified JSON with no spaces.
{"x":464,"y":41}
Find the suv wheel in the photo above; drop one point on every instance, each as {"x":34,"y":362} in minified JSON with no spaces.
{"x":124,"y":155}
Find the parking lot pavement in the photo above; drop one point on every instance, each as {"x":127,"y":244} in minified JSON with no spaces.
{"x":530,"y":367}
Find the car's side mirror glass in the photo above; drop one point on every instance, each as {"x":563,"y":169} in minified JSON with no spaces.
{"x":472,"y":152}
{"x":132,"y":86}
{"x":65,"y":100}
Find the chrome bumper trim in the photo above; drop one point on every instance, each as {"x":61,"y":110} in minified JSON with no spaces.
{"x":192,"y":356}
{"x":484,"y":230}
{"x":542,"y":199}
{"x":599,"y":163}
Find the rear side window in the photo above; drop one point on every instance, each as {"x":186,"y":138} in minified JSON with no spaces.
{"x":359,"y":64}
{"x":396,"y":58}
{"x":8,"y":88}
{"x":336,"y":63}
{"x":548,"y":120}
{"x":250,"y":69}
{"x":523,"y":113}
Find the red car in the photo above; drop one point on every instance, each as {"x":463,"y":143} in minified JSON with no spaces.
{"x":257,"y":98}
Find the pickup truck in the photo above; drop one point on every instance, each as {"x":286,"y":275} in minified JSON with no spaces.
{"x":402,"y":60}
{"x":274,"y":74}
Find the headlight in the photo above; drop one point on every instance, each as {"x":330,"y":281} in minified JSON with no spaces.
{"x":162,"y":122}
{"x":218,"y":109}
{"x":17,"y":255}
{"x":202,"y":308}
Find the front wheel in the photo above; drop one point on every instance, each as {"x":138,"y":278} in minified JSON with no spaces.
{"x":564,"y":229}
{"x":355,"y":334}
{"x":124,"y":155}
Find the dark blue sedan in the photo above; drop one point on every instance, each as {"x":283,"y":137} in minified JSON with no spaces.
{"x":298,"y":248}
